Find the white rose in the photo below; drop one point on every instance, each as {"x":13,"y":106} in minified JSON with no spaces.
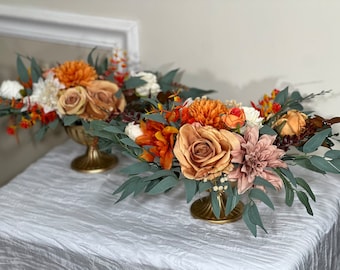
{"x":11,"y":89}
{"x":151,"y":86}
{"x":253,"y":118}
{"x":133,"y":131}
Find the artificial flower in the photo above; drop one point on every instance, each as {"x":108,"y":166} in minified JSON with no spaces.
{"x":11,"y":89}
{"x":72,"y":101}
{"x":45,"y":93}
{"x":292,"y":123}
{"x":103,"y":100}
{"x":255,"y":157}
{"x":253,"y":118}
{"x":204,"y":152}
{"x":151,"y":87}
{"x":235,"y":118}
{"x":75,"y":73}
{"x":208,"y":112}
{"x":133,"y":130}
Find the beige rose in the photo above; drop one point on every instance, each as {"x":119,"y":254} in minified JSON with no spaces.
{"x":103,"y":100}
{"x":292,"y":123}
{"x":72,"y":100}
{"x":204,"y":152}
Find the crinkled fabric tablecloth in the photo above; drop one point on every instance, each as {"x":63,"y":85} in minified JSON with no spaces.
{"x":56,"y":218}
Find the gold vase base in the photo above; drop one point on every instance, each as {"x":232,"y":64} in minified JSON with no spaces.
{"x":202,"y":209}
{"x":86,"y":164}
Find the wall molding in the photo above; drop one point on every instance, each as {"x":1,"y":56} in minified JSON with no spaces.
{"x":70,"y":29}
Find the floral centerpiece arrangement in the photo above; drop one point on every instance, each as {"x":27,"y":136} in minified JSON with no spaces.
{"x":76,"y":92}
{"x":234,"y":152}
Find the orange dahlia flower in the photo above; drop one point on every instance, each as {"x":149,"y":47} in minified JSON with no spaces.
{"x":208,"y":112}
{"x":75,"y":73}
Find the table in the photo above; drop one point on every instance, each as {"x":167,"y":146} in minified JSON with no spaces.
{"x":56,"y":218}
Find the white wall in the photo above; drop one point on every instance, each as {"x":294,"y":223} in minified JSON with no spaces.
{"x":240,"y":48}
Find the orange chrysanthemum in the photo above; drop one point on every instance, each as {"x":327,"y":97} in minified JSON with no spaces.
{"x":208,"y":112}
{"x":75,"y":73}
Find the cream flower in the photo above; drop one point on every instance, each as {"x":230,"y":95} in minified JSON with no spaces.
{"x":45,"y":93}
{"x":255,"y":156}
{"x":11,"y":89}
{"x":133,"y":130}
{"x":151,"y":87}
{"x":253,"y":118}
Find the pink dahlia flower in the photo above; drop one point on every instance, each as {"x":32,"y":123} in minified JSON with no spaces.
{"x":255,"y":156}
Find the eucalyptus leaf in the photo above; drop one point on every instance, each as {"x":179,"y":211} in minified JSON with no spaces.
{"x":302,"y":183}
{"x":258,"y":194}
{"x":306,"y":163}
{"x":35,"y":71}
{"x":296,"y":96}
{"x":263,"y":182}
{"x":215,"y":204}
{"x":289,"y":175}
{"x":191,"y":188}
{"x":156,"y":117}
{"x":251,"y":226}
{"x":169,"y":77}
{"x":323,"y":164}
{"x":313,"y":143}
{"x":22,"y":70}
{"x":132,"y":180}
{"x":233,"y":199}
{"x":90,"y":58}
{"x":267,"y":130}
{"x":127,"y":141}
{"x":254,"y":216}
{"x":134,"y":82}
{"x":114,"y":129}
{"x":289,"y":197}
{"x":195,"y":92}
{"x":159,"y":174}
{"x":304,"y":200}
{"x":333,"y":154}
{"x":69,"y":120}
{"x":282,"y":97}
{"x":204,"y":186}
{"x":136,"y":168}
{"x":165,"y":184}
{"x":39,"y":135}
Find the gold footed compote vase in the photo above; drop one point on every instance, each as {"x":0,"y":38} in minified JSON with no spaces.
{"x":93,"y":161}
{"x":203,"y":209}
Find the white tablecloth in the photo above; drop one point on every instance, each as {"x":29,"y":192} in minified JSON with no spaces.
{"x":55,"y":218}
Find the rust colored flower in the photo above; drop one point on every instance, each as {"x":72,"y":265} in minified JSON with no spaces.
{"x":75,"y":73}
{"x":72,"y":101}
{"x":208,"y":112}
{"x":235,"y":118}
{"x":255,"y":156}
{"x":292,"y":123}
{"x":160,"y":138}
{"x":102,"y":100}
{"x":204,"y":152}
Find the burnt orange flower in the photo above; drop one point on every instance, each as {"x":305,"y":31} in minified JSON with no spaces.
{"x":160,"y":138}
{"x":235,"y":118}
{"x":208,"y":112}
{"x":75,"y":73}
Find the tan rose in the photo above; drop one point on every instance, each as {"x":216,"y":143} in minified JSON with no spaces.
{"x":72,"y":100}
{"x":204,"y":152}
{"x":292,"y":123}
{"x":103,"y":100}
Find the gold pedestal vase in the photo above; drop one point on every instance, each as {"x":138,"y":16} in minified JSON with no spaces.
{"x":93,"y":161}
{"x":203,"y":209}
